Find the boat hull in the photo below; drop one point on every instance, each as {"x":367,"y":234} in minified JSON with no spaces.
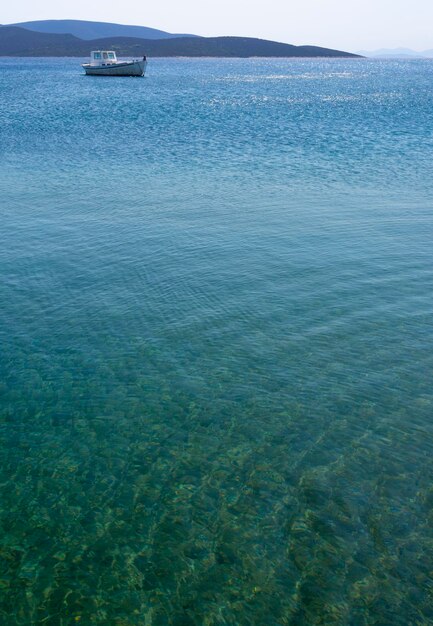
{"x":131,"y":68}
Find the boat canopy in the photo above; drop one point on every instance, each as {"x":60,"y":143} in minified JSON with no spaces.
{"x":102,"y":57}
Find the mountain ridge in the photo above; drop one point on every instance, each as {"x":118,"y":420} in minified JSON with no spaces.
{"x":20,"y":42}
{"x":88,"y":30}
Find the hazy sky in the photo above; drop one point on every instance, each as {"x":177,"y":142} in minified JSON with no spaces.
{"x":346,"y":24}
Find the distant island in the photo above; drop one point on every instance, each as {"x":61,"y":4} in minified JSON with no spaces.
{"x":52,"y":38}
{"x":396,"y":53}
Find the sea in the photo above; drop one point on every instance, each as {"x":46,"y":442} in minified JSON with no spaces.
{"x":216,"y":343}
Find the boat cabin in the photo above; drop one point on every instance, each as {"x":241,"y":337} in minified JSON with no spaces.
{"x":102,"y":57}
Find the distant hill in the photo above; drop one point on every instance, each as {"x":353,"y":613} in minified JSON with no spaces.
{"x":95,"y":30}
{"x":16,"y":41}
{"x":19,"y":42}
{"x":396,"y":53}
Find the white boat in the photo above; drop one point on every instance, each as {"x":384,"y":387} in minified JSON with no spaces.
{"x":105,"y":63}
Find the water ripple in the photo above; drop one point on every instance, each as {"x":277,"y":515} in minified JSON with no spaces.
{"x":215,"y":318}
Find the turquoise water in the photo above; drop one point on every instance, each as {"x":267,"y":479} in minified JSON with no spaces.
{"x":216,"y":298}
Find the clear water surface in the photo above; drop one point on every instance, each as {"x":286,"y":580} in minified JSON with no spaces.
{"x":216,"y":299}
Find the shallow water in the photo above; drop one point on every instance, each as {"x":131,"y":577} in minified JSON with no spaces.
{"x":216,"y":304}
